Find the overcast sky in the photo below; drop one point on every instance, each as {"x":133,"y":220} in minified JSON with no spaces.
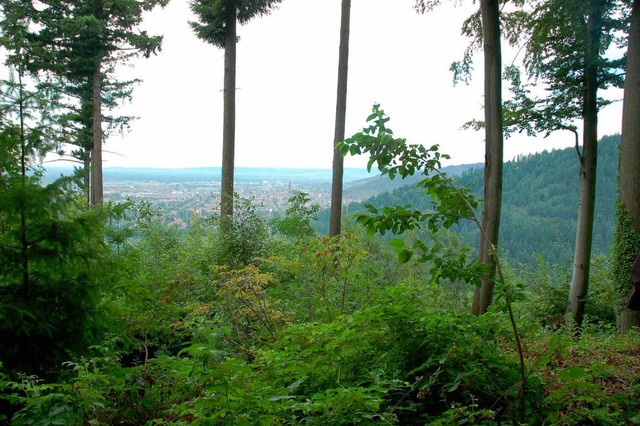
{"x":287,"y":71}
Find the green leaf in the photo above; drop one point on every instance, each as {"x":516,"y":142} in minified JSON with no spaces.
{"x":370,"y":163}
{"x":573,"y":373}
{"x":397,"y":243}
{"x":405,"y":255}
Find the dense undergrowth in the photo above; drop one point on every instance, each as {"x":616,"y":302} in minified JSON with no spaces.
{"x":272,"y":325}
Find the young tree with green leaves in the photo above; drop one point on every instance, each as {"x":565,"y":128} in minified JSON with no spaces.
{"x":627,"y":233}
{"x":296,"y":222}
{"x":217,"y":23}
{"x":341,"y":116}
{"x":450,"y":205}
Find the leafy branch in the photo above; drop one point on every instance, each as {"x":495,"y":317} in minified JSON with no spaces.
{"x":394,"y":157}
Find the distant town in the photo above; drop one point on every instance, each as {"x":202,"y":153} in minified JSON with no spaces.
{"x":182,"y":194}
{"x":179,"y":202}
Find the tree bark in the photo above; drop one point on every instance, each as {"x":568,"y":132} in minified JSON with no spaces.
{"x":490,"y":10}
{"x":86,"y":163}
{"x":24,"y":243}
{"x":588,"y":163}
{"x":96,"y":131}
{"x":341,"y":115}
{"x":627,"y":239}
{"x":229,"y":121}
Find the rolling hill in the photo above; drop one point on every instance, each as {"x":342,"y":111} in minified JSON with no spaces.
{"x":540,"y":200}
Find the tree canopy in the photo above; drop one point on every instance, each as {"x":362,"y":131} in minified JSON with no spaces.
{"x":212,"y":16}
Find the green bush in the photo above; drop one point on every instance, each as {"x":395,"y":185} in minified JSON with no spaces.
{"x":548,"y":291}
{"x":246,"y":238}
{"x":297,"y":219}
{"x":395,"y":362}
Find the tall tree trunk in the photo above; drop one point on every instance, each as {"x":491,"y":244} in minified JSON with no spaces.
{"x":627,"y":240}
{"x":24,"y":243}
{"x":229,"y":123}
{"x":86,"y":161}
{"x":96,"y":131}
{"x":341,"y":115}
{"x":588,"y":163}
{"x":490,"y":10}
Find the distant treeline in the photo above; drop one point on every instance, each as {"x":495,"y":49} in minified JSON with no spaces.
{"x":208,"y":174}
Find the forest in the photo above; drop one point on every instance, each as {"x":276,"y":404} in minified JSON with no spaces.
{"x":509,"y":294}
{"x":539,"y":199}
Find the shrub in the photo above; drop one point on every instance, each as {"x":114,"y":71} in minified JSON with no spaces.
{"x":393,"y":361}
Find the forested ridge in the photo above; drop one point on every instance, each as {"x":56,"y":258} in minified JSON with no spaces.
{"x":411,"y":311}
{"x":540,"y":195}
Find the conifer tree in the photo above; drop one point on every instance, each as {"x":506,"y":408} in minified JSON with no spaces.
{"x":49,"y":243}
{"x":80,"y":43}
{"x":341,"y":114}
{"x":217,"y":25}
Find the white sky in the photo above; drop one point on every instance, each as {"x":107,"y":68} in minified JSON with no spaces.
{"x":287,"y":72}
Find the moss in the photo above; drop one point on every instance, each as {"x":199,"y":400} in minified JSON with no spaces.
{"x":626,"y":243}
